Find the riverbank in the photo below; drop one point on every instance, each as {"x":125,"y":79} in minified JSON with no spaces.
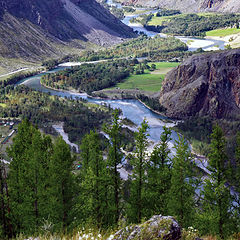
{"x":232,"y":40}
{"x":120,"y":94}
{"x":59,"y":129}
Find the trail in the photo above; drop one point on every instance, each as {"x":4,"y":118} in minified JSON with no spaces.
{"x":17,"y":71}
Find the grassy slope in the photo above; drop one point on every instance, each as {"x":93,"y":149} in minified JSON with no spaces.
{"x":149,"y":81}
{"x":158,"y":20}
{"x":222,"y":32}
{"x":146,"y":82}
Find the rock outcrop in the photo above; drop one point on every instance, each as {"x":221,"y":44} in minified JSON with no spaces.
{"x":158,"y":227}
{"x":33,"y":28}
{"x":190,"y":5}
{"x":204,"y":85}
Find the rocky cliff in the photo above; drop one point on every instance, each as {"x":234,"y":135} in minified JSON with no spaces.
{"x":190,"y":5}
{"x":32,"y":28}
{"x":204,"y":85}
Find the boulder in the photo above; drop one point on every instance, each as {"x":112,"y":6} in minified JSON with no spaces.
{"x":162,"y":227}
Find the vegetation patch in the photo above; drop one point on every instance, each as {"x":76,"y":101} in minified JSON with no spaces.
{"x":222,"y":32}
{"x":194,"y":24}
{"x":151,"y":80}
{"x":145,"y":82}
{"x":44,"y":110}
{"x":156,"y":48}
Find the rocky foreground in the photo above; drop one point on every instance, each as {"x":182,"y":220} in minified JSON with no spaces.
{"x":158,"y":227}
{"x":204,"y":85}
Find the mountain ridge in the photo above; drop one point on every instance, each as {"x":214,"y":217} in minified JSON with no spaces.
{"x":39,"y":29}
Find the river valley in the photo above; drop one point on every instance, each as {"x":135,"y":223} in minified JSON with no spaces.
{"x":131,"y":109}
{"x":192,"y":42}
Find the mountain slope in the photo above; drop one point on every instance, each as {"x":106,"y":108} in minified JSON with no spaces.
{"x":190,"y":5}
{"x":204,"y":85}
{"x":35,"y":29}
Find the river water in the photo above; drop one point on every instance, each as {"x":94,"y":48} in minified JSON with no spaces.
{"x":193,"y":42}
{"x":131,"y":109}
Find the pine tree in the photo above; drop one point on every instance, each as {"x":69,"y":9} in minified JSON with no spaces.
{"x":159,"y":176}
{"x":5,"y":225}
{"x":114,"y":159}
{"x":27,"y":177}
{"x":61,"y":184}
{"x":217,"y":199}
{"x":138,"y":183}
{"x":181,"y":194}
{"x":94,"y":182}
{"x":37,"y":175}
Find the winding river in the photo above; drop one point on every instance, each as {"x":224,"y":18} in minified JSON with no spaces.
{"x":193,"y":42}
{"x":131,"y":109}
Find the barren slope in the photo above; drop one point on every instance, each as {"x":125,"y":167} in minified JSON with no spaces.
{"x":36,"y":29}
{"x":190,"y":5}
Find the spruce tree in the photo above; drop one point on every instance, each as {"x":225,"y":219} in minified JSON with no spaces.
{"x":27,"y":178}
{"x":93,"y":204}
{"x":114,"y":159}
{"x":181,"y":194}
{"x":61,"y":184}
{"x":5,"y":224}
{"x":216,"y":204}
{"x":138,"y":179}
{"x":159,"y":176}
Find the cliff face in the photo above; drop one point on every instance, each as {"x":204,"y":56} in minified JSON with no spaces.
{"x":191,"y":5}
{"x":37,"y":26}
{"x":204,"y":85}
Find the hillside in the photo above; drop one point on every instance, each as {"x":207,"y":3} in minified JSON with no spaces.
{"x":190,"y":5}
{"x":35,"y":29}
{"x":204,"y":85}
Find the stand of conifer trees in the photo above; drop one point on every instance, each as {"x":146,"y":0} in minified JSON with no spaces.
{"x":42,"y":184}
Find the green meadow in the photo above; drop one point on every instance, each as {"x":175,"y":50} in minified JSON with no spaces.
{"x":222,"y":32}
{"x":149,"y":81}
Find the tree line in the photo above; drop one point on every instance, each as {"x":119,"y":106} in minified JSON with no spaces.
{"x":94,"y":77}
{"x":142,"y":46}
{"x":43,"y":186}
{"x":45,"y":110}
{"x":90,"y":77}
{"x":196,"y":25}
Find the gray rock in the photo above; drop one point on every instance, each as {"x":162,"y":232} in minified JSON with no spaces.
{"x":162,"y":227}
{"x":204,"y":85}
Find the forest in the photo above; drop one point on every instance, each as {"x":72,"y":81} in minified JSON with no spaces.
{"x":96,"y":76}
{"x":143,"y":46}
{"x":44,"y":110}
{"x":42,"y":185}
{"x":155,"y":49}
{"x":194,"y":24}
{"x":90,"y":77}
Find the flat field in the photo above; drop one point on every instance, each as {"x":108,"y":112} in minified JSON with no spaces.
{"x":149,"y":81}
{"x":222,"y":32}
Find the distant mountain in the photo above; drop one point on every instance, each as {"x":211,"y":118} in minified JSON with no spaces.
{"x":33,"y":29}
{"x":231,"y":6}
{"x":204,"y":85}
